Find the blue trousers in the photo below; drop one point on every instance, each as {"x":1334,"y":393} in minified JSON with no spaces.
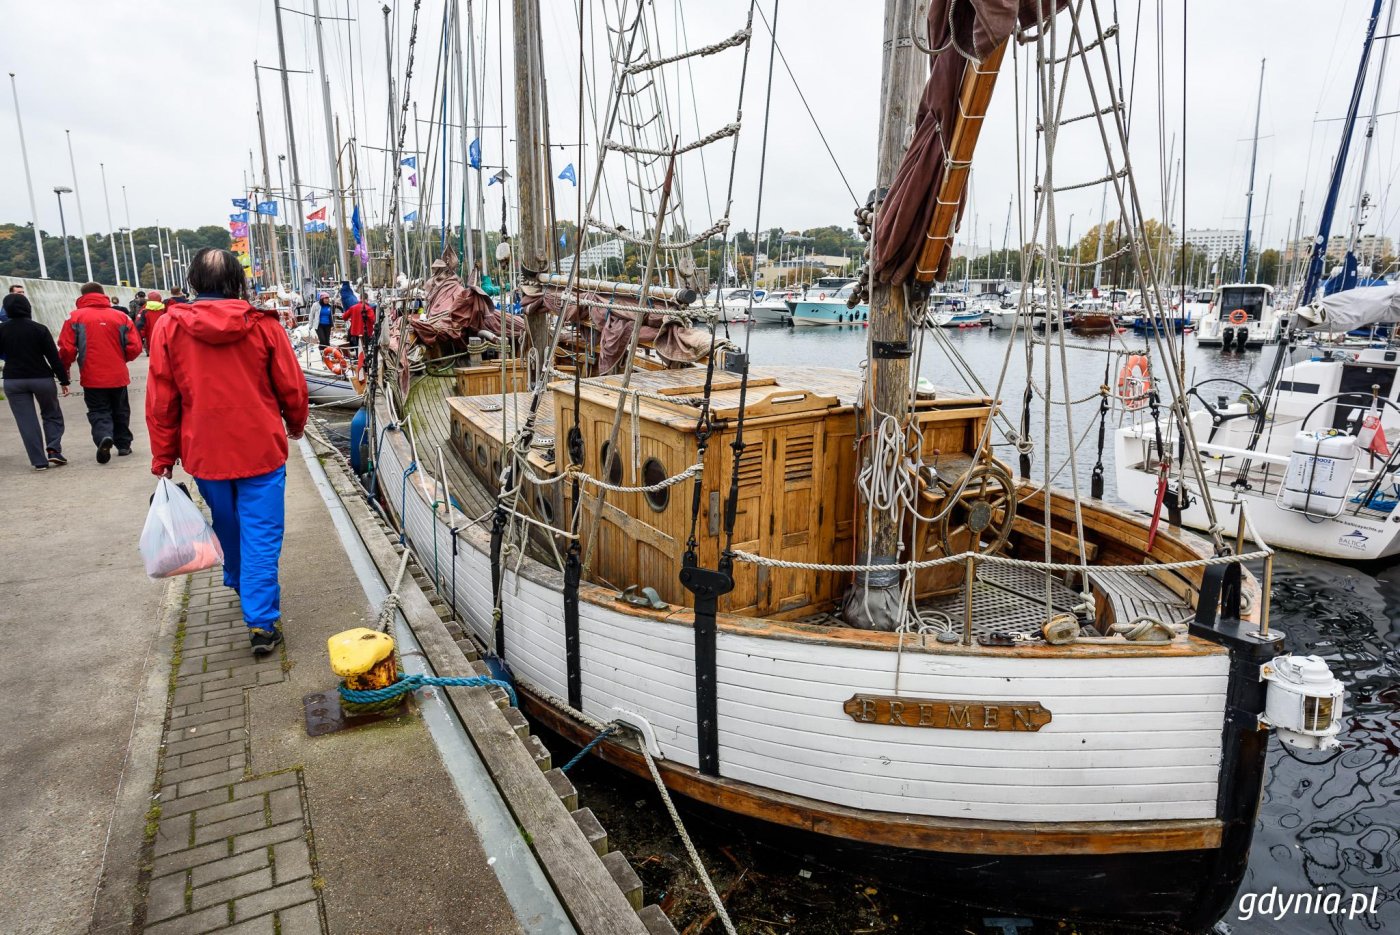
{"x":249,"y":519}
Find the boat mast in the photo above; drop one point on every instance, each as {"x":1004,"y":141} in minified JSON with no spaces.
{"x":1329,"y":208}
{"x":332,"y":150}
{"x":1253,"y":159}
{"x":887,"y":396}
{"x":297,"y":220}
{"x":394,"y":155}
{"x":1349,"y":263}
{"x":267,"y":175}
{"x":531,"y":255}
{"x":469,"y":246}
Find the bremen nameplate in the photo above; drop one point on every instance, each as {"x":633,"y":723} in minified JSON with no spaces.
{"x":905,"y":711}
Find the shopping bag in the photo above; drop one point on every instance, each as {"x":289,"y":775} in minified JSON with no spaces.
{"x":176,"y":539}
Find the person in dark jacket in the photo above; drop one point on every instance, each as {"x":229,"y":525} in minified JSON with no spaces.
{"x":102,"y":341}
{"x":223,"y":395}
{"x":32,"y":365}
{"x":135,"y":306}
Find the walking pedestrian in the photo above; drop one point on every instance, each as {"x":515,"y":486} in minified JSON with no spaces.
{"x":223,"y":395}
{"x":136,"y":305}
{"x":15,"y":289}
{"x":360,"y":315}
{"x":325,"y":317}
{"x":102,"y":341}
{"x":32,"y":365}
{"x":150,"y":314}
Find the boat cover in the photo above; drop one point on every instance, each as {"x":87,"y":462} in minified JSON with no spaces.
{"x":454,"y":310}
{"x":673,"y":339}
{"x":1354,"y":308}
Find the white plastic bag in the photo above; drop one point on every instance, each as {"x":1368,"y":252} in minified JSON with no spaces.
{"x":176,"y":539}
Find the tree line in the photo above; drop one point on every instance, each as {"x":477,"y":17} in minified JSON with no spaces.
{"x":18,"y":256}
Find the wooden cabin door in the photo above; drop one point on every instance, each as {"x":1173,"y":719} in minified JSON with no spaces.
{"x":792,"y":508}
{"x":749,"y":517}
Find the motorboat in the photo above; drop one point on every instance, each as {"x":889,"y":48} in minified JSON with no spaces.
{"x":1241,"y":315}
{"x":830,"y":310}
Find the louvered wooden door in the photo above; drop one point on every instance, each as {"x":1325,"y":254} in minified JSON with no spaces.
{"x":792,"y":509}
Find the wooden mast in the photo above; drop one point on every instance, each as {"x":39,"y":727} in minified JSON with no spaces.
{"x":902,"y":79}
{"x":332,"y":146}
{"x":531,"y":254}
{"x":267,"y":176}
{"x":302,"y":260}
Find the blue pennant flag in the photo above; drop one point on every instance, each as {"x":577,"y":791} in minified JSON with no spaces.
{"x":474,"y":154}
{"x":568,"y":174}
{"x":498,"y":177}
{"x":355,"y":227}
{"x":563,"y":240}
{"x":241,"y":203}
{"x":411,"y":216}
{"x":268,"y":207}
{"x":316,"y":227}
{"x":241,"y":217}
{"x":410,"y":161}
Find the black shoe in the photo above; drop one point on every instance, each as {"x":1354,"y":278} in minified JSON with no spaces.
{"x":123,"y":452}
{"x":41,"y":467}
{"x":264,"y":641}
{"x":56,"y":459}
{"x":104,"y":451}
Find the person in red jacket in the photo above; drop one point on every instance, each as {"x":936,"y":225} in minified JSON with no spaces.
{"x":224,"y":393}
{"x":102,"y":340}
{"x":148,"y":316}
{"x":360,"y":315}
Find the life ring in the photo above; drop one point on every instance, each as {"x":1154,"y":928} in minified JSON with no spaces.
{"x":334,"y":360}
{"x":1239,"y":316}
{"x":357,"y":376}
{"x":289,"y":318}
{"x":822,"y":297}
{"x":1135,"y":382}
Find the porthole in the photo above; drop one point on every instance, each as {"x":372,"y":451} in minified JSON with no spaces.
{"x":481,"y":454}
{"x":654,"y":472}
{"x":612,"y":465}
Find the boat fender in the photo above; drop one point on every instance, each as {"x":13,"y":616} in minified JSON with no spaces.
{"x":359,"y":431}
{"x":1060,"y":630}
{"x":643,"y":728}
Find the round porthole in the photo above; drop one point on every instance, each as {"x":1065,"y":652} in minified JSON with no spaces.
{"x":612,"y":465}
{"x":481,"y":455}
{"x":654,"y":472}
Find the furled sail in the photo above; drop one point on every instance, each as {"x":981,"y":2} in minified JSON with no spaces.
{"x":913,"y":233}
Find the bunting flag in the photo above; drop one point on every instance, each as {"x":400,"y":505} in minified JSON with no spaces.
{"x":563,"y":241}
{"x":268,"y":208}
{"x":569,"y":175}
{"x":316,"y":227}
{"x":498,"y":177}
{"x":474,"y":154}
{"x":413,"y":180}
{"x":311,"y":198}
{"x":317,"y":215}
{"x":241,"y":217}
{"x":411,"y":216}
{"x":239,"y":245}
{"x":238,"y":229}
{"x":410,"y":161}
{"x":241,"y":203}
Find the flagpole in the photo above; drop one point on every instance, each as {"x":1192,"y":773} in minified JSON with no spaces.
{"x":394,"y":155}
{"x":111,"y":231}
{"x":303,"y":246}
{"x":131,"y":241}
{"x":267,"y":175}
{"x":82,"y":226}
{"x":29,"y":184}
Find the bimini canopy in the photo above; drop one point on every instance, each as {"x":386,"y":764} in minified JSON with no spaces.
{"x":1354,"y":308}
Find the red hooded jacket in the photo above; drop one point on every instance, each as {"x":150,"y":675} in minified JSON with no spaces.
{"x":223,"y":392}
{"x":361,"y":318}
{"x":102,"y":340}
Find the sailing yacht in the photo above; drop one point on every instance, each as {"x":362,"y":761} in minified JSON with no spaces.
{"x":817,"y":599}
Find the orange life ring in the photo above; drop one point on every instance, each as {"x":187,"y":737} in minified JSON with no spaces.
{"x":1239,"y":316}
{"x":334,"y":360}
{"x":1135,"y":382}
{"x":822,"y":297}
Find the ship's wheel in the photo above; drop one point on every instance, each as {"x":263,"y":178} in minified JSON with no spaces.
{"x":982,"y":514}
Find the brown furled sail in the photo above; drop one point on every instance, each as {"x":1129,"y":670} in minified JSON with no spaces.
{"x":916,"y":223}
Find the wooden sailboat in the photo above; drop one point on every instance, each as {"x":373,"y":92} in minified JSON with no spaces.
{"x":1061,"y":718}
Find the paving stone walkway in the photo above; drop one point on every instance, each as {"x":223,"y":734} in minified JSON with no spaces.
{"x":229,"y":849}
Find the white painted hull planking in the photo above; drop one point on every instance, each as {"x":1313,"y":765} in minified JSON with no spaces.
{"x":1131,"y":738}
{"x":1343,"y":538}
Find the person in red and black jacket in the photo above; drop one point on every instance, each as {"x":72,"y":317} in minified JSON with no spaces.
{"x":223,"y":395}
{"x":360,"y":317}
{"x":102,"y":341}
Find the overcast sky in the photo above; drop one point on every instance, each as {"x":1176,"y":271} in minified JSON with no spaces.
{"x":162,"y":92}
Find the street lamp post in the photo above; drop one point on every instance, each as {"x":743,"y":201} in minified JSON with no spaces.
{"x":60,"y":191}
{"x":131,"y":242}
{"x":155,"y":276}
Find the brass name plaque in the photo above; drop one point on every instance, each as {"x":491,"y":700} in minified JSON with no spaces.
{"x":903,"y":711}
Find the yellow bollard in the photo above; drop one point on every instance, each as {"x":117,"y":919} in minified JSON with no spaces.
{"x":364,"y":659}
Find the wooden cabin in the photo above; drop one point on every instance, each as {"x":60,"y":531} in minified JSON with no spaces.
{"x":482,"y":428}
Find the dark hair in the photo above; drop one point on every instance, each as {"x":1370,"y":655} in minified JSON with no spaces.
{"x":216,"y":272}
{"x":14,"y":286}
{"x":16,"y":305}
{"x":90,"y":288}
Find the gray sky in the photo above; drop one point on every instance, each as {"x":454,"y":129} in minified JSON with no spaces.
{"x":162,"y":92}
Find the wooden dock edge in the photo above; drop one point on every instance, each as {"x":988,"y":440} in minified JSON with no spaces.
{"x":598,"y":888}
